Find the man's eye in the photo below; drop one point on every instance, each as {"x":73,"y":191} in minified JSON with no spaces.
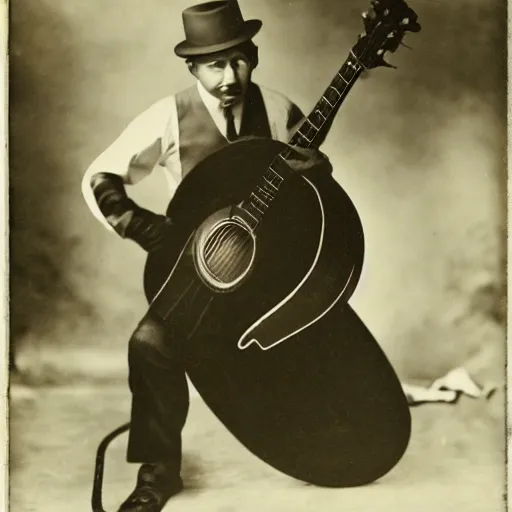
{"x":216,"y":65}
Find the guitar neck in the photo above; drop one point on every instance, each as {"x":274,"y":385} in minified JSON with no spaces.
{"x":384,"y":29}
{"x":307,"y":136}
{"x":321,"y":117}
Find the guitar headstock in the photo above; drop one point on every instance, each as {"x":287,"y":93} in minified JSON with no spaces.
{"x":385,"y":25}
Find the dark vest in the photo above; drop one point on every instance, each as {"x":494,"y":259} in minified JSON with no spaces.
{"x":199,"y":135}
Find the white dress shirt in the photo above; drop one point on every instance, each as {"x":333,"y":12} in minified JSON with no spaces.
{"x":151,"y":141}
{"x":213,"y":106}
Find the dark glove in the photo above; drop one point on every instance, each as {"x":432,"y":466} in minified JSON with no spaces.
{"x":147,"y":229}
{"x":305,"y":159}
{"x":128,"y":219}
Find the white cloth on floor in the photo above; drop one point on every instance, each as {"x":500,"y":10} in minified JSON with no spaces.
{"x":446,"y":389}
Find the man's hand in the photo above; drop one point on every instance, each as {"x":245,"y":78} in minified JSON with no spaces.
{"x":127,"y":218}
{"x":305,"y":159}
{"x":147,"y":229}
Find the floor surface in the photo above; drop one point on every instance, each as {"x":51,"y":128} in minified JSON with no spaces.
{"x":455,"y":460}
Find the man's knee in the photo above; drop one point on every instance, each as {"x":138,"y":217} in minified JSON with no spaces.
{"x":148,"y":337}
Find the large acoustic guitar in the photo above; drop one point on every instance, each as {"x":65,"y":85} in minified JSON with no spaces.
{"x":254,"y":280}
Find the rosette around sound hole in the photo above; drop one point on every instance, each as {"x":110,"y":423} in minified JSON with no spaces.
{"x":228,"y":252}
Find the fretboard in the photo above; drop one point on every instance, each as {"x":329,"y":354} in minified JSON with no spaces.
{"x":319,"y":119}
{"x":329,"y":103}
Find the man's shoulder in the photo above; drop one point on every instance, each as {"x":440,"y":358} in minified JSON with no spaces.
{"x":158,"y":111}
{"x":275,"y":98}
{"x":161,"y":103}
{"x":170,"y":100}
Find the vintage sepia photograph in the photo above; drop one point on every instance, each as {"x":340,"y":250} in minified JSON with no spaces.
{"x":257,"y":255}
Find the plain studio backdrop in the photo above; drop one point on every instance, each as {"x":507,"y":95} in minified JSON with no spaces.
{"x":420,"y":149}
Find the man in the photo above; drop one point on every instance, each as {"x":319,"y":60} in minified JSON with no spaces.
{"x":176,"y":133}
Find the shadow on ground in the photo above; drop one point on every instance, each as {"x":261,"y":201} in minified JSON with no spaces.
{"x":455,"y":460}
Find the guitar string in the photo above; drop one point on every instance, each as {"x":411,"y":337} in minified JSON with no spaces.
{"x":318,"y":107}
{"x":361,"y":66}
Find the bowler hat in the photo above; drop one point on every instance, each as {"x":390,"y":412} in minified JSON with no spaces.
{"x":214,"y":26}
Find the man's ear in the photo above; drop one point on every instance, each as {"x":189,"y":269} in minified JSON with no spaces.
{"x":255,"y":59}
{"x":192,"y":67}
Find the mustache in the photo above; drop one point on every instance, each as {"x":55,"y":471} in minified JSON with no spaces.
{"x":229,"y":90}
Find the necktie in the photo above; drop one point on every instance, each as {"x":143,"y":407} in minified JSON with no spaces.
{"x":231,"y":134}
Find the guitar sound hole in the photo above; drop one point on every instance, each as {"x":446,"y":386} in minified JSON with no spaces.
{"x":227,"y":253}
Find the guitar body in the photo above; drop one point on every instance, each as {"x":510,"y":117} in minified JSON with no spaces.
{"x":307,"y":252}
{"x":267,"y":335}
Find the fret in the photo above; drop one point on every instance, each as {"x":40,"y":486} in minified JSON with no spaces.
{"x":328,"y":102}
{"x":352,"y":66}
{"x":288,"y":152}
{"x":308,"y":120}
{"x":359,"y":63}
{"x":317,"y":119}
{"x":318,"y":111}
{"x":283,"y":158}
{"x":270,"y":183}
{"x":325,"y":107}
{"x":282,"y":161}
{"x":342,"y":77}
{"x":260,"y":212}
{"x":274,"y":174}
{"x":334,"y":89}
{"x":349,"y":70}
{"x":255,"y":212}
{"x":246,"y":210}
{"x":341,"y":87}
{"x":331,"y":97}
{"x":304,"y":137}
{"x":266,"y":194}
{"x":262,"y":196}
{"x":260,"y":201}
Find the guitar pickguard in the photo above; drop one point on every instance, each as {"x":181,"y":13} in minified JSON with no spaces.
{"x":303,"y":306}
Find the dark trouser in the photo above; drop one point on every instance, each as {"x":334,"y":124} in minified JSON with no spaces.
{"x":160,"y":397}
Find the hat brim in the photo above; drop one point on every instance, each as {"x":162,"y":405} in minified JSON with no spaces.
{"x":185,"y":49}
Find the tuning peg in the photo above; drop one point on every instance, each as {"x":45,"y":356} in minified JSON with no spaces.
{"x":366,"y":20}
{"x":414,"y":27}
{"x":387,"y":65}
{"x":411,"y":24}
{"x":382,"y":62}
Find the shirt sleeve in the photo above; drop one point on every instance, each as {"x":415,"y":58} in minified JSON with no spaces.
{"x":135,"y":152}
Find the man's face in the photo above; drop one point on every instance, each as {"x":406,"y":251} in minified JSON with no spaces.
{"x":226,"y":75}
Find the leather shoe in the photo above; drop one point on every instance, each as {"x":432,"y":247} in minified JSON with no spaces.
{"x":156,"y":483}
